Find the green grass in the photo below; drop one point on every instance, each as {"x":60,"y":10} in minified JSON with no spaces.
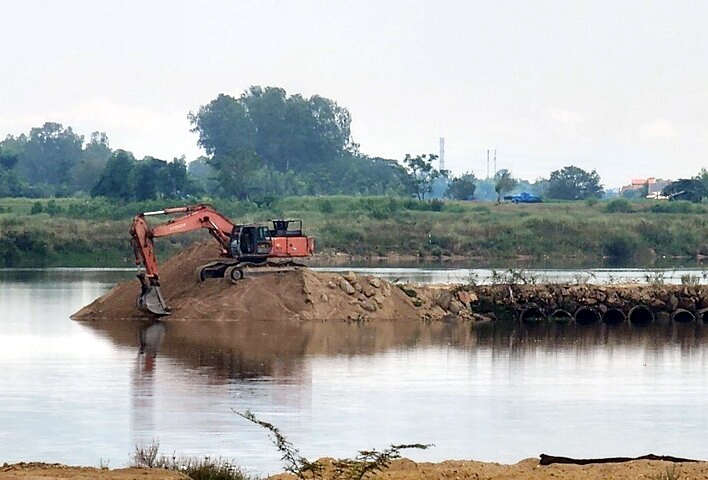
{"x":82,"y":231}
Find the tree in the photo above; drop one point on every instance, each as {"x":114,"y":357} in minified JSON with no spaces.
{"x":690,"y":189}
{"x":640,"y":192}
{"x":178,"y":183}
{"x":703,"y":178}
{"x":115,"y":181}
{"x":422,"y":173}
{"x":256,"y":140}
{"x":504,"y":183}
{"x":149,"y":179}
{"x":284,"y":132}
{"x":11,"y":183}
{"x":92,"y":162}
{"x":235,"y":172}
{"x":573,"y":183}
{"x":203,"y":176}
{"x":462,"y":188}
{"x":50,"y":155}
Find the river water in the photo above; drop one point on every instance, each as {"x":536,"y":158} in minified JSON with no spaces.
{"x":82,"y":393}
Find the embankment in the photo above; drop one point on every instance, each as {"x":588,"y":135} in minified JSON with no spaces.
{"x":303,"y":294}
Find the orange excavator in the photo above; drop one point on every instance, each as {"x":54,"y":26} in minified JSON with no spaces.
{"x":245,"y":249}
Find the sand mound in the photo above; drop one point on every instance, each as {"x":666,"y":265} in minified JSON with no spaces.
{"x":299,"y":294}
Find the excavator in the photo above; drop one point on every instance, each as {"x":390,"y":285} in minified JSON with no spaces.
{"x":245,"y":249}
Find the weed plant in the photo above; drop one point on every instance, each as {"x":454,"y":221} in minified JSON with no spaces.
{"x":365,"y":463}
{"x":147,"y":456}
{"x":671,"y":473}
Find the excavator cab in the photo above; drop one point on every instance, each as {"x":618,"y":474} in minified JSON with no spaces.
{"x":250,"y":242}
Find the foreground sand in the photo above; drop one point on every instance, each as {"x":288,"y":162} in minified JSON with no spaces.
{"x":406,"y":469}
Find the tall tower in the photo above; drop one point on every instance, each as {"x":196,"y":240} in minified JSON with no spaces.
{"x":442,"y":153}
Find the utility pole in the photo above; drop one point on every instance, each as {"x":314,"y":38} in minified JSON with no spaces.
{"x":487,"y":164}
{"x":442,"y":153}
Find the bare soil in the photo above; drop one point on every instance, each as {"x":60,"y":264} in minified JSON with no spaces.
{"x":300,"y":294}
{"x":528,"y":469}
{"x":46,"y":471}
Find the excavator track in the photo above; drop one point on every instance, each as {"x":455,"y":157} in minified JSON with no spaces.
{"x":237,"y":270}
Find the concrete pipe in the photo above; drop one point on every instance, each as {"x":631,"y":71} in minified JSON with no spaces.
{"x":641,"y":315}
{"x":586,"y":316}
{"x":702,"y":315}
{"x":561,"y":315}
{"x":532,"y":313}
{"x":681,"y":315}
{"x":614,"y":316}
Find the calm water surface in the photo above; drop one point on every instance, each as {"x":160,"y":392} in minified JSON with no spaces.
{"x":83,"y":393}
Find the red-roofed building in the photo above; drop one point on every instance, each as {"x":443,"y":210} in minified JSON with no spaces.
{"x":654,"y":186}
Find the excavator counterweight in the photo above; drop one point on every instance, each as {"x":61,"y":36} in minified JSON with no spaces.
{"x":244,"y":248}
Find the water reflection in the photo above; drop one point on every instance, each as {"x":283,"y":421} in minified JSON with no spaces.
{"x":277,"y":350}
{"x":243,"y":350}
{"x":150,"y":338}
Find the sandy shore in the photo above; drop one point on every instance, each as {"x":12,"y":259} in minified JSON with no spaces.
{"x":528,"y":469}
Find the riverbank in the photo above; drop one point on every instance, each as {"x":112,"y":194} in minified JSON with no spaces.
{"x":404,"y":469}
{"x":93,"y":232}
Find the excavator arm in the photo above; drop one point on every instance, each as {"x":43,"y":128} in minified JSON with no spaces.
{"x":194,"y":217}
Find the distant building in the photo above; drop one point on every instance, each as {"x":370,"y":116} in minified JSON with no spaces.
{"x":653,"y":186}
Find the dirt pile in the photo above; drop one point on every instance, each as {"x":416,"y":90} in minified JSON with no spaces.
{"x":299,"y":294}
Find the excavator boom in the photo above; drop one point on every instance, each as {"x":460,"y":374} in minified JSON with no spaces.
{"x":248,"y":245}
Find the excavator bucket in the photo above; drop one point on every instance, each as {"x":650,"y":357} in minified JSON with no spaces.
{"x":150,"y":299}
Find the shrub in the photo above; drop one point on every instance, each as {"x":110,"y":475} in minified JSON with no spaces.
{"x":680,"y":206}
{"x":36,"y":208}
{"x":436,"y":205}
{"x":620,"y":247}
{"x":325,"y":206}
{"x":147,"y":456}
{"x":619,"y":205}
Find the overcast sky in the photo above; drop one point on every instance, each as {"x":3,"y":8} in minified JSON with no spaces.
{"x":616,"y":86}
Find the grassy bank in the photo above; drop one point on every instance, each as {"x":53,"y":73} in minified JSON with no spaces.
{"x":87,"y":232}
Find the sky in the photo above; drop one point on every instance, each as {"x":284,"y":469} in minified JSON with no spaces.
{"x":615,"y":86}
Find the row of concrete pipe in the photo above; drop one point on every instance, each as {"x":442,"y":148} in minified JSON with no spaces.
{"x":586,"y":315}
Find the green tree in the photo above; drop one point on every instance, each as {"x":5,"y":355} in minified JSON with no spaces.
{"x":284,"y":132}
{"x":703,"y":178}
{"x":573,"y":183}
{"x":92,"y":162}
{"x":422,"y":174}
{"x":504,"y":182}
{"x":203,"y":176}
{"x":178,"y":182}
{"x":640,"y":192}
{"x":149,"y":179}
{"x":235,"y":173}
{"x":462,"y":187}
{"x":224,"y":126}
{"x":11,"y":183}
{"x":115,"y":181}
{"x":50,"y":155}
{"x":690,"y":189}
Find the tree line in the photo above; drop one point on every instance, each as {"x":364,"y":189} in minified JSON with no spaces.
{"x":260,"y":145}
